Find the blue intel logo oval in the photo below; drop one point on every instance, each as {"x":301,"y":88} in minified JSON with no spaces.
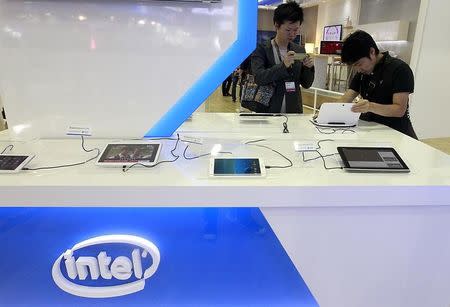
{"x":106,"y":266}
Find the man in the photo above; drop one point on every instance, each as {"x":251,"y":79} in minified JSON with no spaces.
{"x":236,"y":75}
{"x":226,"y":85}
{"x":384,"y":83}
{"x":273,"y":63}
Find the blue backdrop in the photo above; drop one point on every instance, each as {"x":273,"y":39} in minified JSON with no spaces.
{"x":209,"y":257}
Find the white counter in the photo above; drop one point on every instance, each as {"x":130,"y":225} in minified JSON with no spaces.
{"x":357,"y":239}
{"x":305,"y":184}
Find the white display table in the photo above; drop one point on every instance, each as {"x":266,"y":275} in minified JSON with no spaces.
{"x":146,"y":187}
{"x":357,"y":239}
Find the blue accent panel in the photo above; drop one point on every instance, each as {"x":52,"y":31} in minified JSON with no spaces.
{"x":269,"y":2}
{"x":208,"y":82}
{"x":209,"y":257}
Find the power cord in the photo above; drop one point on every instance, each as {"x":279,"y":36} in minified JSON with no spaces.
{"x":315,"y":158}
{"x":254,"y":141}
{"x":321,"y":156}
{"x":334,"y":130}
{"x":325,"y":164}
{"x":202,"y":155}
{"x":6,"y":148}
{"x":321,"y":141}
{"x":318,"y":147}
{"x":69,"y":165}
{"x":176,"y":157}
{"x":277,"y":152}
{"x":285,"y":124}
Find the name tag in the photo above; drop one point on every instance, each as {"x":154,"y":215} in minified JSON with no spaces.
{"x":290,"y":87}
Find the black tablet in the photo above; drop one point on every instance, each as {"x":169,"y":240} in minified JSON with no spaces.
{"x":13,"y":163}
{"x":372,"y":159}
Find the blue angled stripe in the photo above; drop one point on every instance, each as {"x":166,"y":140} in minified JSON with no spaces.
{"x":208,"y":82}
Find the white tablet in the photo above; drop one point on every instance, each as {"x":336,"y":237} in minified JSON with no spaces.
{"x":13,"y":163}
{"x":237,"y":167}
{"x":126,"y":154}
{"x":332,"y":114}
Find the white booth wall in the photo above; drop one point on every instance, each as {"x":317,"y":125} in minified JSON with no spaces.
{"x":430,"y":104}
{"x":114,"y":66}
{"x":376,"y":11}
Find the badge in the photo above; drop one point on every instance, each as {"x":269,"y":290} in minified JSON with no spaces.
{"x":290,"y":87}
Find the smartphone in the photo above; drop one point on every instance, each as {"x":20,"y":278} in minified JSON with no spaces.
{"x":300,"y":56}
{"x":237,"y":167}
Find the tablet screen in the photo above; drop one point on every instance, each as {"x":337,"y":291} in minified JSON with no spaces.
{"x":237,"y":167}
{"x":371,"y":158}
{"x":129,"y":153}
{"x":10,"y":162}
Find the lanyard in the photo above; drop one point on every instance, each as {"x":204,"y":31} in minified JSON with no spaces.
{"x":278,"y":50}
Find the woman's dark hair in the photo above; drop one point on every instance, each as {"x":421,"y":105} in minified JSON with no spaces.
{"x":290,"y":11}
{"x":357,"y":46}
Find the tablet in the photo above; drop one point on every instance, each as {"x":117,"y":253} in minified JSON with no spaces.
{"x":332,"y":114}
{"x":237,"y":167}
{"x":372,"y":159}
{"x":126,"y":154}
{"x":13,"y":163}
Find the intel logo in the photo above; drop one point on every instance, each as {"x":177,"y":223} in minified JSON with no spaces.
{"x":106,"y":266}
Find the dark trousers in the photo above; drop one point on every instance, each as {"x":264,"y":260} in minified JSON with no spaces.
{"x":241,"y":84}
{"x":226,"y":86}
{"x":233,"y":87}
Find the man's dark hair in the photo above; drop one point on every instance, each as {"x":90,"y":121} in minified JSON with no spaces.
{"x":357,"y":46}
{"x":290,"y":11}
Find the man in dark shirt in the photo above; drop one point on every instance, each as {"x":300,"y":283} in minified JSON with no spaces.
{"x":383,"y":82}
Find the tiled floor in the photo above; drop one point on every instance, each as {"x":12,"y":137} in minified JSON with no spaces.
{"x":442,"y":144}
{"x":216,"y":103}
{"x":220,"y":104}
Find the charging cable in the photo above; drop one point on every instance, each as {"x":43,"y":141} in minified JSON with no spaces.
{"x":202,"y":155}
{"x":72,"y":164}
{"x":6,"y":148}
{"x":176,"y":157}
{"x":285,"y":124}
{"x":252,"y":143}
{"x":321,"y":156}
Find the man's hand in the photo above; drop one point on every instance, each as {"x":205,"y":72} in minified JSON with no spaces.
{"x":308,"y":62}
{"x":289,"y":59}
{"x":361,"y":106}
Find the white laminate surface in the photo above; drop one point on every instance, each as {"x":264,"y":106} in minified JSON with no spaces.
{"x":187,"y":183}
{"x":357,"y":239}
